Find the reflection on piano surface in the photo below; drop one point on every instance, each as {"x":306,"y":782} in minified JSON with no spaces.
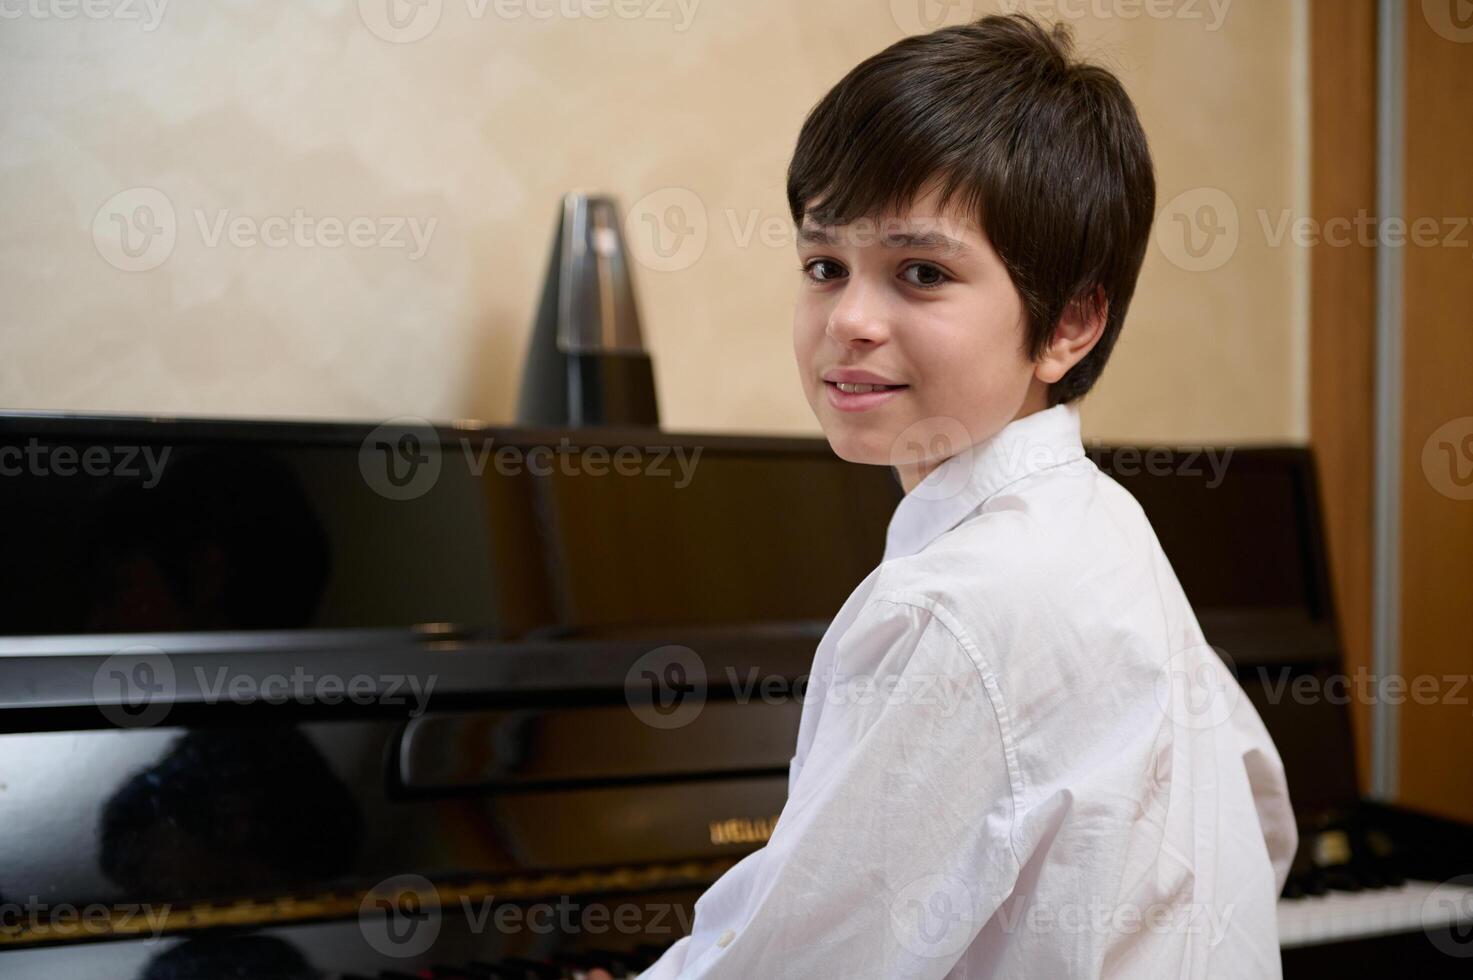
{"x":261,"y":718}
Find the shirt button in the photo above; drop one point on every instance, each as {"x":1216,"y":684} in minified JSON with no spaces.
{"x":726,"y":938}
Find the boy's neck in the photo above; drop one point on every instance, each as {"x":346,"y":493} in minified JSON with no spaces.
{"x":1036,"y":400}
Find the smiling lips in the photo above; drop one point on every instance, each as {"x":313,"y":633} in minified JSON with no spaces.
{"x":858,"y":391}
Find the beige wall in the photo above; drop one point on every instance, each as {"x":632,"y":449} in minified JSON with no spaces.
{"x":257,"y":109}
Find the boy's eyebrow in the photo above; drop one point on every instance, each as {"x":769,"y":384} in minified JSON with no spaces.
{"x":932,"y":241}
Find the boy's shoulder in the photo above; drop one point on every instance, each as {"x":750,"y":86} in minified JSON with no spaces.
{"x":1043,"y":554}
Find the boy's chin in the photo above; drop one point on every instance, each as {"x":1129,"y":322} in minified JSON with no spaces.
{"x":872,"y":448}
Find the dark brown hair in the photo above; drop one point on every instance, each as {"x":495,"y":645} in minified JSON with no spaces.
{"x":1045,"y":150}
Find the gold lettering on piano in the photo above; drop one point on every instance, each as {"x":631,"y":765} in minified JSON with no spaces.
{"x":165,"y":919}
{"x":742,"y":830}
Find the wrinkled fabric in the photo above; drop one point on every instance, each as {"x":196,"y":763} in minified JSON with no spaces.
{"x":1018,"y":757}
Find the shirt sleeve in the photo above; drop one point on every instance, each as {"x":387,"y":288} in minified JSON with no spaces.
{"x":1270,"y":786}
{"x":895,"y":845}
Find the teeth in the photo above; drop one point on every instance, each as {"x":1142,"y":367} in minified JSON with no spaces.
{"x":858,"y":389}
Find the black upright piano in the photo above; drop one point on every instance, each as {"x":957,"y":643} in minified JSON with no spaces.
{"x":312,"y":700}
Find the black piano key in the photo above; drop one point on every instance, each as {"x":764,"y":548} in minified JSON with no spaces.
{"x":495,"y":971}
{"x":1342,"y":879}
{"x":618,"y":964}
{"x":581,"y":961}
{"x":1369,"y":875}
{"x":517,"y":968}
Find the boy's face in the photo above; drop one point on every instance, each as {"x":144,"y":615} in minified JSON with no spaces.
{"x":937,"y":316}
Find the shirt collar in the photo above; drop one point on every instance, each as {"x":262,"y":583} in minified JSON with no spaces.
{"x":965,"y":481}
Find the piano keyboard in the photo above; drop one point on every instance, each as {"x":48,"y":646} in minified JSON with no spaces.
{"x":1338,"y":916}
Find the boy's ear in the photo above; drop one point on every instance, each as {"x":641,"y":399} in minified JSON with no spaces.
{"x":1078,"y":330}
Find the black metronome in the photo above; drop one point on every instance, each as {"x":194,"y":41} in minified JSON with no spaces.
{"x":586,"y":364}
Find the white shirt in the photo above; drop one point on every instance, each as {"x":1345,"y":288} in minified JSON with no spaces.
{"x":1017,"y":756}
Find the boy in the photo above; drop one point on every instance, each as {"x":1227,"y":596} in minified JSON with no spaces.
{"x":1018,"y":757}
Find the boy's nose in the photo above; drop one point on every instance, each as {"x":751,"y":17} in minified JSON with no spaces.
{"x":859,"y":318}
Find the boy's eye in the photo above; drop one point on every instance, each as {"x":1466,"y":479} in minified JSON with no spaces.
{"x":930,"y":276}
{"x":927,"y":275}
{"x":811,"y":269}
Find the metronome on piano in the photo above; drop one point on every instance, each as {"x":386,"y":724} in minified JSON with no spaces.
{"x":586,"y":364}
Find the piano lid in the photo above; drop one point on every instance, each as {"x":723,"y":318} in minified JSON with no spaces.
{"x":122,"y":526}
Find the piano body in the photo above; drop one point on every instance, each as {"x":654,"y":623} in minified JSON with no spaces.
{"x":331,"y":700}
{"x":306,"y":695}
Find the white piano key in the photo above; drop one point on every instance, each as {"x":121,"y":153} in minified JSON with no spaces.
{"x":1340,"y":916}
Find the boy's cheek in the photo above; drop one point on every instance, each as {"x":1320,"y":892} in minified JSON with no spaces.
{"x":805,"y":340}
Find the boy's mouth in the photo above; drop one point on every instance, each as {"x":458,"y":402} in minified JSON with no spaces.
{"x":855,"y":396}
{"x":860,"y":389}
